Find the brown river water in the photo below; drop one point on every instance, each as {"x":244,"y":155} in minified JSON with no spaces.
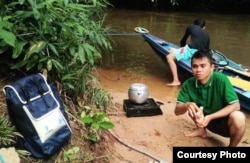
{"x":229,"y":34}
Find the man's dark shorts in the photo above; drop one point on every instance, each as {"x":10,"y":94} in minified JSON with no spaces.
{"x":219,"y":126}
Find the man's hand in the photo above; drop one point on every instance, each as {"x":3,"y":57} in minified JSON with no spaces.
{"x":192,"y":109}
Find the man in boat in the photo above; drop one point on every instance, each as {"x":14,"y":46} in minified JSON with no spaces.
{"x":199,"y":40}
{"x":214,"y":92}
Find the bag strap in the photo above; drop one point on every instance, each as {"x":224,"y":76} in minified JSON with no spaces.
{"x":26,"y":95}
{"x":41,"y":90}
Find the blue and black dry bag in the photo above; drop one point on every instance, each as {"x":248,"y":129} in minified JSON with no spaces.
{"x":36,"y":110}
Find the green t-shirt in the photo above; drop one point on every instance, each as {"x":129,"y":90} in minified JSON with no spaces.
{"x":214,"y":95}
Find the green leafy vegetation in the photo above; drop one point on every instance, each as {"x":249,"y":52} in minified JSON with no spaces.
{"x":7,"y":132}
{"x":64,"y":37}
{"x":95,"y":121}
{"x":70,"y":154}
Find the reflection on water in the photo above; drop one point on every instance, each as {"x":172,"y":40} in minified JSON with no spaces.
{"x":134,"y":54}
{"x":230,"y":34}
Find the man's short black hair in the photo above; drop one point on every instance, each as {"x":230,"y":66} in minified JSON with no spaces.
{"x":203,"y":54}
{"x":200,"y":22}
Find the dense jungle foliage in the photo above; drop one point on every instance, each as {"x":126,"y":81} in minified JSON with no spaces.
{"x":64,"y":37}
{"x":227,"y":6}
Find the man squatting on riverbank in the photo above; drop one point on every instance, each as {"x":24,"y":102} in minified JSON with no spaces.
{"x":214,"y":92}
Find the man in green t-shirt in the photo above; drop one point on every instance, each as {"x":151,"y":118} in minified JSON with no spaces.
{"x":213,"y":92}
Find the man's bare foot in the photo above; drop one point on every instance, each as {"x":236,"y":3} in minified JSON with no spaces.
{"x":173,"y":84}
{"x":201,"y":132}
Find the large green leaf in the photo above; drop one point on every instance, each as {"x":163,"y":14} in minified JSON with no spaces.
{"x":5,"y":24}
{"x":68,"y":77}
{"x":106,"y":125}
{"x":57,"y":65}
{"x":19,"y":64}
{"x":8,"y":37}
{"x":81,"y":53}
{"x":93,"y":136}
{"x":53,"y":48}
{"x":89,"y":50}
{"x":95,"y":126}
{"x":35,"y":48}
{"x":87,"y":120}
{"x":49,"y":64}
{"x":18,"y":49}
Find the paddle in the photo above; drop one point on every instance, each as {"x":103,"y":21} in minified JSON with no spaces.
{"x":139,"y":30}
{"x":123,"y":34}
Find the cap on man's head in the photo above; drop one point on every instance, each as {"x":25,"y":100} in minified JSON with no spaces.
{"x":200,"y":22}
